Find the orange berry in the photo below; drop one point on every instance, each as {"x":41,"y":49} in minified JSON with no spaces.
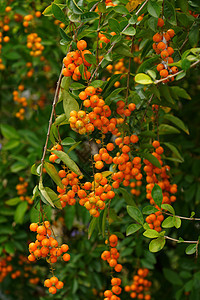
{"x":160,"y":22}
{"x":47,"y":283}
{"x":33,"y":227}
{"x":59,"y":285}
{"x":81,"y":45}
{"x":52,"y":290}
{"x":66,"y":257}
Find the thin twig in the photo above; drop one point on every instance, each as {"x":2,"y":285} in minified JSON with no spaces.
{"x":114,"y":43}
{"x":175,"y":240}
{"x":50,"y":122}
{"x":129,"y":71}
{"x":173,"y":75}
{"x":148,"y":103}
{"x":184,"y":218}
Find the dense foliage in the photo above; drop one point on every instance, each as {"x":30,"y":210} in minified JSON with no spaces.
{"x":99,"y":149}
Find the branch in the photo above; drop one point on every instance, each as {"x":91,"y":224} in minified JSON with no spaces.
{"x":129,"y":70}
{"x":173,"y":75}
{"x":148,"y":103}
{"x":50,"y":122}
{"x":175,"y":240}
{"x":114,"y":43}
{"x":184,"y":218}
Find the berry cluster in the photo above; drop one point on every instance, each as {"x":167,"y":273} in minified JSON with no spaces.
{"x":53,"y":284}
{"x":5,"y":267}
{"x":118,"y":68}
{"x":111,"y":257}
{"x":140,"y":286}
{"x":161,"y":46}
{"x":74,"y":60}
{"x":53,"y":156}
{"x":22,"y":190}
{"x":47,"y":247}
{"x":29,"y":18}
{"x":18,"y":98}
{"x":34,"y":44}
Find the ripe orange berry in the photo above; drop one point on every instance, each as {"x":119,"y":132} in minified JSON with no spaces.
{"x":157,"y":38}
{"x":171,"y":33}
{"x":81,"y":45}
{"x":52,"y":290}
{"x":90,"y":90}
{"x":118,"y":268}
{"x":41,"y":230}
{"x":156,"y":144}
{"x":161,"y":46}
{"x":160,"y":22}
{"x":66,"y":257}
{"x":47,"y":283}
{"x":174,"y":70}
{"x":59,"y":285}
{"x":113,"y":238}
{"x":33,"y":227}
{"x":164,"y":73}
{"x":164,"y":54}
{"x":170,"y":50}
{"x":64,"y":248}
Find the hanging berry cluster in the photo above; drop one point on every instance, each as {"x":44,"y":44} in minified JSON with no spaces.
{"x":139,"y":289}
{"x":161,"y":46}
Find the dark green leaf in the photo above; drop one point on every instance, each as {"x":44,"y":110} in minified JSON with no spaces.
{"x":157,"y":195}
{"x":136,"y":214}
{"x":20,"y":212}
{"x":132,"y":229}
{"x":68,"y":161}
{"x":152,"y":159}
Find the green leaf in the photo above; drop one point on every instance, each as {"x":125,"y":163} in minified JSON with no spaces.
{"x":9,"y":247}
{"x":152,"y":159}
{"x":45,"y":194}
{"x":68,"y":161}
{"x":13,"y":201}
{"x":64,"y":36}
{"x":104,"y":221}
{"x":88,"y":16}
{"x":73,"y":147}
{"x":92,"y":226}
{"x":68,"y":141}
{"x":176,"y":121}
{"x":157,"y":244}
{"x":167,"y":129}
{"x":153,"y":9}
{"x":168,"y":222}
{"x":20,"y":212}
{"x":136,"y":214}
{"x":180,"y":92}
{"x":151,"y":233}
{"x":58,"y":13}
{"x":51,"y":170}
{"x":113,"y":94}
{"x":102,"y":7}
{"x":123,"y":49}
{"x":48,"y":11}
{"x":174,"y":151}
{"x":132,"y":229}
{"x":149,"y":209}
{"x":157,"y":194}
{"x":168,"y":208}
{"x":131,"y":31}
{"x":143,"y":79}
{"x":126,"y":195}
{"x":70,"y":213}
{"x":114,"y":25}
{"x":90,"y":58}
{"x":191,"y":249}
{"x":148,"y":133}
{"x":185,"y":64}
{"x":61,"y":120}
{"x":9,"y":132}
{"x":147,"y":64}
{"x":74,"y":7}
{"x":177,"y":222}
{"x":120,"y":9}
{"x":97,"y":83}
{"x":69,"y":103}
{"x":194,"y":35}
{"x":169,"y":12}
{"x":18,"y":166}
{"x":172,"y":277}
{"x":3,"y":220}
{"x":76,"y":86}
{"x":54,"y":197}
{"x":12,"y":144}
{"x":34,"y":170}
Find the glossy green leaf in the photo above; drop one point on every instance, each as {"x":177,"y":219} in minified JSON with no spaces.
{"x":69,"y":103}
{"x":68,"y":161}
{"x":92,"y":226}
{"x":143,"y":79}
{"x":58,"y":13}
{"x":152,"y":159}
{"x":157,"y":244}
{"x":157,"y":194}
{"x":168,"y":222}
{"x":20,"y":212}
{"x":132,"y":229}
{"x":149,"y":209}
{"x":51,"y":170}
{"x":151,"y":233}
{"x":136,"y":214}
{"x":153,"y":9}
{"x":169,"y":208}
{"x":191,"y":249}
